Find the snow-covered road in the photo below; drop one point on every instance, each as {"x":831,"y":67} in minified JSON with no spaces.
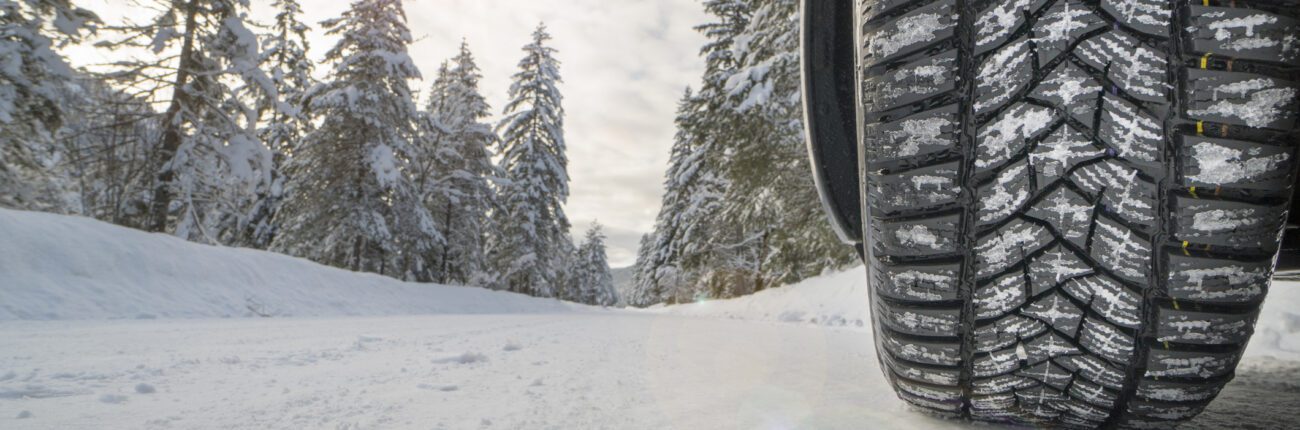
{"x":102,"y":327}
{"x":570,"y":370}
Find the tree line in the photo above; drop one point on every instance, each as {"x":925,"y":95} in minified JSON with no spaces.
{"x":215,"y":128}
{"x":740,"y":211}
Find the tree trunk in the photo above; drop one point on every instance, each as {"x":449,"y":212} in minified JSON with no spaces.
{"x":171,"y":139}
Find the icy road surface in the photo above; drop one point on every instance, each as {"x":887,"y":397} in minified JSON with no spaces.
{"x":574,"y":370}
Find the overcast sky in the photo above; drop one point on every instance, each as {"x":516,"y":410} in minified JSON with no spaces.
{"x":624,"y":63}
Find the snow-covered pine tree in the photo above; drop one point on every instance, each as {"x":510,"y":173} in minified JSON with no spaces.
{"x":644,"y":292}
{"x":534,"y":228}
{"x":590,"y":279}
{"x":772,"y":193}
{"x":209,"y":160}
{"x":462,"y":162}
{"x":282,"y":115}
{"x":740,"y":212}
{"x":32,"y":77}
{"x":350,"y":201}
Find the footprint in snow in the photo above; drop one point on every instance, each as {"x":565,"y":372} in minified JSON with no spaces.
{"x":511,"y":346}
{"x":113,"y":399}
{"x":465,"y":358}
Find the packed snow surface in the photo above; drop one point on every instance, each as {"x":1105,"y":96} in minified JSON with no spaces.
{"x":73,"y":354}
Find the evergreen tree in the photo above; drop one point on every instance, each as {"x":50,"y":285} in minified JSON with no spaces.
{"x":740,"y":212}
{"x":32,"y":76}
{"x":209,"y":161}
{"x":644,"y":292}
{"x":282,"y":116}
{"x":462,"y":162}
{"x":590,"y":279}
{"x":534,"y":230}
{"x":351,"y":201}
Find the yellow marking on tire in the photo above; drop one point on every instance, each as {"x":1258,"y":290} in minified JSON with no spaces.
{"x":1192,"y":190}
{"x":1205,"y":59}
{"x":1200,"y":128}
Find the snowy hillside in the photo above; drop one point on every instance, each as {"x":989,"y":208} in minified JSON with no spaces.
{"x":64,"y":267}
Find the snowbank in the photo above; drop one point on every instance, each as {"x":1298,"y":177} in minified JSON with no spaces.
{"x":840,"y":299}
{"x":837,"y":299}
{"x":65,"y":267}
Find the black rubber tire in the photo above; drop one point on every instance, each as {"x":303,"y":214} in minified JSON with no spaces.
{"x":1074,"y":206}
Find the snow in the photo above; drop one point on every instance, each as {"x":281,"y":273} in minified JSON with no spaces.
{"x":362,"y":351}
{"x":118,"y":273}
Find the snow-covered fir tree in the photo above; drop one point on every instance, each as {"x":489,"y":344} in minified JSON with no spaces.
{"x":590,"y":280}
{"x":350,"y":198}
{"x":209,"y":160}
{"x":534,"y":228}
{"x":644,"y":292}
{"x":740,"y":212}
{"x":282,"y":115}
{"x":462,"y":194}
{"x":33,"y":77}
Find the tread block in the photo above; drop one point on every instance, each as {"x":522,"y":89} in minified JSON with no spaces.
{"x":910,"y":32}
{"x":1055,"y":155}
{"x":1177,"y":391}
{"x":921,"y":351}
{"x":1242,"y":98}
{"x":1043,"y":403}
{"x":1048,"y":374}
{"x":1135,"y":68}
{"x":1082,"y":415}
{"x":1105,"y":340}
{"x":1244,"y":33}
{"x":1000,"y":296}
{"x":1228,"y":224}
{"x":1095,"y":370}
{"x":1147,"y":16}
{"x":920,"y":322}
{"x":917,"y":282}
{"x":996,"y":23}
{"x":939,"y":394}
{"x":921,"y":134}
{"x":910,"y":83}
{"x":1054,"y":267}
{"x":1134,"y":135}
{"x":1093,"y":394}
{"x":1004,"y":196}
{"x":1204,"y":328}
{"x":1061,"y":25}
{"x":1110,"y":299}
{"x":926,"y":237}
{"x":998,"y":385}
{"x":1006,"y":332}
{"x":1072,"y":90}
{"x":1164,"y":363}
{"x":926,"y":403}
{"x":920,"y":188}
{"x":1164,"y":410}
{"x":1006,"y":72}
{"x":874,"y":9}
{"x":1057,"y":312}
{"x":1069,"y":214}
{"x":1211,"y":162}
{"x":1123,"y":192}
{"x":1009,"y":133}
{"x":1208,"y":280}
{"x":1119,"y":250}
{"x":1008,"y":246}
{"x":926,"y":374}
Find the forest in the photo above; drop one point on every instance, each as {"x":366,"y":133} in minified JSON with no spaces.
{"x":220,"y":129}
